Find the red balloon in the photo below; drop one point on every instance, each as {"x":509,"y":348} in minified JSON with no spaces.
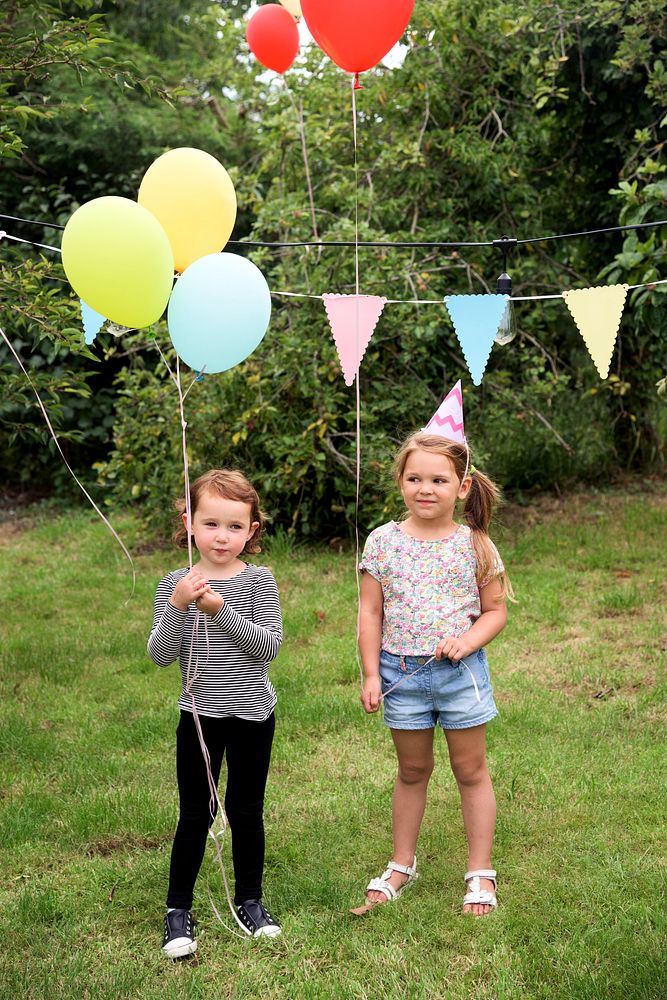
{"x":273,"y":37}
{"x":356,"y":34}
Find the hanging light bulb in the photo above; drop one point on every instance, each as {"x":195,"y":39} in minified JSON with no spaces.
{"x":507,"y":328}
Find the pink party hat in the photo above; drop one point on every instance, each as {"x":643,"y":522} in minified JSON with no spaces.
{"x":447,"y":421}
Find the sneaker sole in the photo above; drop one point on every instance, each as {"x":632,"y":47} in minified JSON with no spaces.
{"x":268,"y":932}
{"x":179,"y":948}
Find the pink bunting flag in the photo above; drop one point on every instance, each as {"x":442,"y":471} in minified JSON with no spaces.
{"x":352,"y":319}
{"x":597,"y":312}
{"x":447,"y":421}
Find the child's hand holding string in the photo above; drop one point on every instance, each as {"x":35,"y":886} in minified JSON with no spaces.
{"x":209,"y":602}
{"x":189,"y":589}
{"x":371,"y":693}
{"x":453,"y":648}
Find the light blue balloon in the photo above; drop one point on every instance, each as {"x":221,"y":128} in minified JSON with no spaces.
{"x":219,"y":312}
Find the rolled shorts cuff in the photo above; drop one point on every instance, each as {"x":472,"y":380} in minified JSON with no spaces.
{"x":470,"y":725}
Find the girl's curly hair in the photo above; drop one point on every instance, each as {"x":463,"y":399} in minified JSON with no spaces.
{"x":232,"y":485}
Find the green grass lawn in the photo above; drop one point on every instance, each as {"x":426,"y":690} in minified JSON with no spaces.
{"x":88,"y":795}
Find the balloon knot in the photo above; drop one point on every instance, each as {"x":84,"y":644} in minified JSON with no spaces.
{"x":357,"y":85}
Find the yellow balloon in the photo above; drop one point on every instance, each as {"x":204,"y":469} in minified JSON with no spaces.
{"x":117,"y":258}
{"x":192,"y":196}
{"x":293,"y":6}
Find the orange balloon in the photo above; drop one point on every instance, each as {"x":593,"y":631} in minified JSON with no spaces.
{"x":191,"y":194}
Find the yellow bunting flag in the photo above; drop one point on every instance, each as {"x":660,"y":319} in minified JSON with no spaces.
{"x":597,"y":312}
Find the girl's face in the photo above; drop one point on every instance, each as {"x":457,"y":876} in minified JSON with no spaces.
{"x":221,"y":528}
{"x":430,"y":487}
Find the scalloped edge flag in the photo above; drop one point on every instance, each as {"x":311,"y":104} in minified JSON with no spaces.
{"x":352,"y":319}
{"x":447,"y":421}
{"x":597,"y":311}
{"x":92,"y":322}
{"x":476,"y":319}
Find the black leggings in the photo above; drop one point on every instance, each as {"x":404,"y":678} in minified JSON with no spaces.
{"x":248,"y":748}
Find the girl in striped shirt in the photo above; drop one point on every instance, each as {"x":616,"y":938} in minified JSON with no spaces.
{"x":222,"y":620}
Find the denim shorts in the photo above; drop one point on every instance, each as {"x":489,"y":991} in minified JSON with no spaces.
{"x":442,"y":692}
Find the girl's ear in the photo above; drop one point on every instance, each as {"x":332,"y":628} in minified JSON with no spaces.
{"x":252,"y":529}
{"x":185,"y":521}
{"x":465,"y":487}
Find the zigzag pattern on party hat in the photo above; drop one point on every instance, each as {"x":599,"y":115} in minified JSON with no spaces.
{"x":447,"y":421}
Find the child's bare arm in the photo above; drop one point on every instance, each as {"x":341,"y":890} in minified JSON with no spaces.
{"x":370,"y":640}
{"x":491,"y":621}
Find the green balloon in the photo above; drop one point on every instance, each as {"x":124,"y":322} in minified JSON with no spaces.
{"x":118,"y":259}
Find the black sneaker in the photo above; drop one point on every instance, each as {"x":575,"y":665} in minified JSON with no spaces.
{"x":257,"y":920}
{"x":179,"y":934}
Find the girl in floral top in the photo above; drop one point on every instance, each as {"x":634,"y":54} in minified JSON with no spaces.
{"x":432,"y":596}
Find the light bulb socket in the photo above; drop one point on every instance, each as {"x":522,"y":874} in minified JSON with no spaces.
{"x":504,"y":284}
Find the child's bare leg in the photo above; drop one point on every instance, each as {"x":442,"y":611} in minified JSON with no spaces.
{"x":414,"y":748}
{"x":467,"y":755}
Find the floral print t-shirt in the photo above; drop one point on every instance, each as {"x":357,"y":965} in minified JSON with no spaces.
{"x":429,"y":587}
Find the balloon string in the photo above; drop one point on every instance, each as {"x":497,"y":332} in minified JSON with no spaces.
{"x":68,"y":466}
{"x":298,"y":111}
{"x":356,"y":381}
{"x":186,"y":467}
{"x":194,"y":671}
{"x":219,"y":837}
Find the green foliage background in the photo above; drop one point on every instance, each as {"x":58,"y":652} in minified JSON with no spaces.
{"x":511,"y":118}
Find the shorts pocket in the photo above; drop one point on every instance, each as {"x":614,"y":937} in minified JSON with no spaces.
{"x":482,"y":666}
{"x":389,"y":671}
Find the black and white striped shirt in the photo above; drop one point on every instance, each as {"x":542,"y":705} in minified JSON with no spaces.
{"x":233,"y":662}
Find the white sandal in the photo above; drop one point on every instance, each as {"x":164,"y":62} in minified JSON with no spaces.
{"x":383,"y":884}
{"x":477,"y":895}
